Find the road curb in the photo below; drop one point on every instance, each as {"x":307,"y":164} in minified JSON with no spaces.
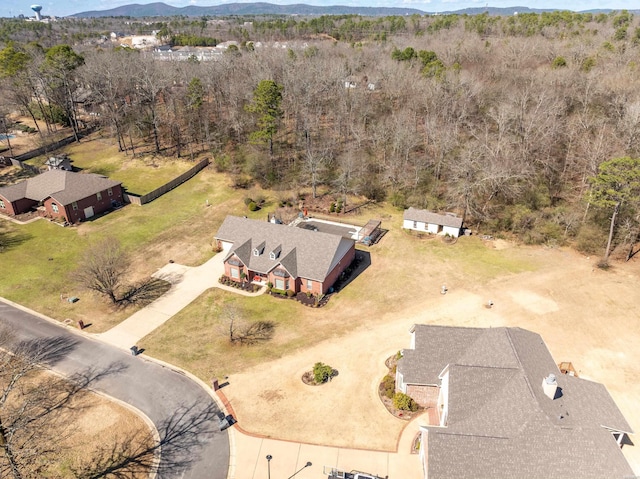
{"x":224,"y":406}
{"x":195,"y":379}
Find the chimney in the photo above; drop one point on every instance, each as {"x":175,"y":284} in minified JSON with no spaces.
{"x":550,"y":386}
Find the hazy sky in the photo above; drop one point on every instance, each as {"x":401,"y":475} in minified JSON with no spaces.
{"x":69,"y":7}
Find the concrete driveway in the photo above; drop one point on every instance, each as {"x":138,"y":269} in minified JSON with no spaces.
{"x":178,"y":406}
{"x":187,"y":283}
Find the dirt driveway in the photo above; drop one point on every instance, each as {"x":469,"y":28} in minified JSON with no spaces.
{"x":587,"y":316}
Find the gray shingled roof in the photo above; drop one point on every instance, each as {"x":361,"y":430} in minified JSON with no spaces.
{"x":63,"y":186}
{"x":424,"y":216}
{"x":500,"y":422}
{"x":303,"y":253}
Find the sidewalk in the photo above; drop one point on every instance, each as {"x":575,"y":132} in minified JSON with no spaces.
{"x":290,"y":457}
{"x":187,"y":283}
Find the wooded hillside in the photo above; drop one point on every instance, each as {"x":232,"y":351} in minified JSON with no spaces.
{"x":504,"y":120}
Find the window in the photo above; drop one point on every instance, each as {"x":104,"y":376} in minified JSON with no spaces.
{"x":309,"y":285}
{"x":234,"y":273}
{"x":286,"y":284}
{"x":110,"y":192}
{"x":99,"y":196}
{"x":2,"y":204}
{"x":54,"y":207}
{"x":279,"y":283}
{"x":74,"y":205}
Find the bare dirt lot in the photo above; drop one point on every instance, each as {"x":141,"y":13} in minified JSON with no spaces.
{"x":587,"y":316}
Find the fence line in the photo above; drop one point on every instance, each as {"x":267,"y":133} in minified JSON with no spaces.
{"x":158,"y":192}
{"x":54,"y":146}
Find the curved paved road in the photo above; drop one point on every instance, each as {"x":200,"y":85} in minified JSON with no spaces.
{"x":184,"y":414}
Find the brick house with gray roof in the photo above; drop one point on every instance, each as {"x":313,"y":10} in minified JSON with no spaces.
{"x":292,"y":259}
{"x":63,"y":195}
{"x":505,"y":410}
{"x":425,"y":221}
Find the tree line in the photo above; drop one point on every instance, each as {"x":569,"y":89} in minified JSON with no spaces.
{"x":505,"y":120}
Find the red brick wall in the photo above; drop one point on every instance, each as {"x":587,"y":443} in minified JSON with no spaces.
{"x":300,"y":284}
{"x":19,"y":206}
{"x":340,"y":267}
{"x":99,"y":205}
{"x":426,"y":396}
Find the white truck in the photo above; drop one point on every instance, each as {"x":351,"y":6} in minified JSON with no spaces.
{"x":333,"y":473}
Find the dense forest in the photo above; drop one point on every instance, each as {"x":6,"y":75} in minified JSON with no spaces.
{"x":509,"y":121}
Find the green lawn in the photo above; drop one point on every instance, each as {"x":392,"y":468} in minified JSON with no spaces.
{"x":138,"y":175}
{"x":39,"y":265}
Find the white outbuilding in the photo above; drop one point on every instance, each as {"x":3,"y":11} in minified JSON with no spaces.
{"x":428,"y":222}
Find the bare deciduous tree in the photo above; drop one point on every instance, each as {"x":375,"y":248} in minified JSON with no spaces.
{"x":103,"y":268}
{"x":244,"y":332}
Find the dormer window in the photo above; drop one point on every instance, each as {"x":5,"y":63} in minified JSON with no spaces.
{"x":258,"y":250}
{"x":275,"y":254}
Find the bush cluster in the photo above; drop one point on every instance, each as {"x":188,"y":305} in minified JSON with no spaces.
{"x":322,"y":372}
{"x":388,"y":386}
{"x":404,"y":403}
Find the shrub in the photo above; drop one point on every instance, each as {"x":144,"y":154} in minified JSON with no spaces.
{"x":308,"y":294}
{"x":590,"y":239}
{"x":290,"y":293}
{"x":332,"y":208}
{"x":559,"y":62}
{"x":248,"y":201}
{"x":253,"y":206}
{"x":404,"y":403}
{"x":389,"y":386}
{"x":322,"y":372}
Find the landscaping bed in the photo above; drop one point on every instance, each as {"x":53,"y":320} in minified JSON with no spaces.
{"x":244,"y":286}
{"x":391,"y":399}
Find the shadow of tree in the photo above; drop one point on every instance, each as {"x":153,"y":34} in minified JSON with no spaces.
{"x":10,"y":240}
{"x":144,"y":292}
{"x":256,"y":332}
{"x":180,"y":438}
{"x":35,"y":413}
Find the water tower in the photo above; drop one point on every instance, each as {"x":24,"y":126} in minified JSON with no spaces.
{"x":37,"y":8}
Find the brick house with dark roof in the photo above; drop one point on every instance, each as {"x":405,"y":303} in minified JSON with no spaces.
{"x":292,"y":259}
{"x":65,"y":195}
{"x":505,"y":410}
{"x":428,"y":222}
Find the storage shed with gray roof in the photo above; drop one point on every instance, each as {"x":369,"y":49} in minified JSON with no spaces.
{"x":290,"y":258}
{"x":428,"y":222}
{"x":505,"y":409}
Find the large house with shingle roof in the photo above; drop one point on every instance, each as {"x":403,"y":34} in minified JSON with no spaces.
{"x":425,"y":221}
{"x":63,"y":195}
{"x":290,"y":258}
{"x":505,"y":410}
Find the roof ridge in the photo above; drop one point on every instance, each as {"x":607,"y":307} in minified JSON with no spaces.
{"x":521,"y":367}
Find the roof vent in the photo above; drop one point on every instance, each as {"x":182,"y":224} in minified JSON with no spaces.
{"x":550,"y":386}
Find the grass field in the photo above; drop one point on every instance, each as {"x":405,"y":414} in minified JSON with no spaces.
{"x":402,"y":267}
{"x":39,"y":262}
{"x":139,"y":175}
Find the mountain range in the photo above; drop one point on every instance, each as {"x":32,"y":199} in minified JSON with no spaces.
{"x":160,"y":9}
